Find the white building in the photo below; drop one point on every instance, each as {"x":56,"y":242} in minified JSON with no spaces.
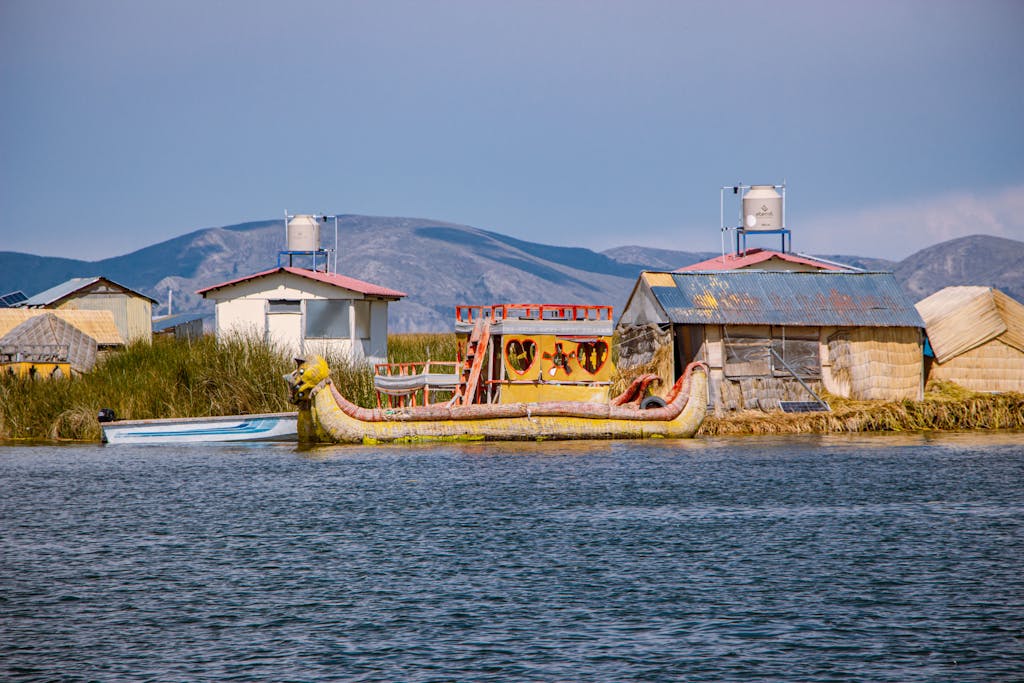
{"x":304,"y":311}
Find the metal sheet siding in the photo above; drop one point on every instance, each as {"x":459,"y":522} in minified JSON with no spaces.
{"x":60,"y":291}
{"x":749,"y":297}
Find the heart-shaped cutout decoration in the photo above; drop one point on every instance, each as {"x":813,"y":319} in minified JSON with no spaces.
{"x":520,"y":354}
{"x":592,"y":355}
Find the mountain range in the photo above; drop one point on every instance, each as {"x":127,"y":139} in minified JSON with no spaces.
{"x":441,"y":264}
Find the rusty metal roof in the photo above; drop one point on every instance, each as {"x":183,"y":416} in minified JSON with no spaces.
{"x":343,"y":281}
{"x":753,"y":257}
{"x":754,"y":297}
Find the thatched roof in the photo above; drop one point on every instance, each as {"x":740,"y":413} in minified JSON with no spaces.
{"x":97,"y":324}
{"x":958,"y":319}
{"x":48,"y":339}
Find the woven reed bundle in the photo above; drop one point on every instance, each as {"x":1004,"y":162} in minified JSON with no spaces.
{"x":937,"y":412}
{"x":959,"y":319}
{"x":993,"y":366}
{"x":642,"y":350}
{"x":877,"y":363}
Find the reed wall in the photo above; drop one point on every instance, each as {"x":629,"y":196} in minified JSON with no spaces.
{"x":876,"y":363}
{"x":993,"y":366}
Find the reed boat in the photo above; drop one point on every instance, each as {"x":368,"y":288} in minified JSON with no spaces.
{"x":524,"y":372}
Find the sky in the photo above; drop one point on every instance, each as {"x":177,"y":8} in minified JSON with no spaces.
{"x":894,"y":124}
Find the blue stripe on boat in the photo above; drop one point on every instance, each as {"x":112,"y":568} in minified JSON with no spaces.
{"x":247,"y":427}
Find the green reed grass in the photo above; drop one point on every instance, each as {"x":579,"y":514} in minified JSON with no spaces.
{"x":418,"y":347}
{"x":177,"y":378}
{"x":174,"y":378}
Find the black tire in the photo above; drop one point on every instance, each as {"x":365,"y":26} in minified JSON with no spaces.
{"x":652,"y":402}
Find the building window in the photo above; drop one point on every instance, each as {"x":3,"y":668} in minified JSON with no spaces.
{"x":760,"y":351}
{"x":327,"y":319}
{"x":284,"y":306}
{"x":801,"y":355}
{"x":747,"y":357}
{"x":362,"y":309}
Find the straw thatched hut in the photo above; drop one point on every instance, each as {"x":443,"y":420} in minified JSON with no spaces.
{"x":99,"y":325}
{"x":976,"y":335}
{"x":769,"y":337}
{"x":47,"y":346}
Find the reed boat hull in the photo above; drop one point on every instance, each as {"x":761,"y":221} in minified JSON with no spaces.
{"x":329,"y":417}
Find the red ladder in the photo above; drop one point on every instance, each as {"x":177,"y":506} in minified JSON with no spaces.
{"x":476,"y":352}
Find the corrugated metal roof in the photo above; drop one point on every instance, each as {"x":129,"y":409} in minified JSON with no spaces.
{"x":753,"y":257}
{"x":335,"y":279}
{"x":756,"y":297}
{"x":58,"y":292}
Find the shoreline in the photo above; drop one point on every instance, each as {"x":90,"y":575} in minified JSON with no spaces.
{"x":973,"y":412}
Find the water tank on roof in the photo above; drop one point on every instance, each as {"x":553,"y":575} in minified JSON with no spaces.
{"x":762,"y":209}
{"x":303,"y":233}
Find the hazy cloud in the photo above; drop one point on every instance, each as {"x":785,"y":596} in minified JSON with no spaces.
{"x":898,"y":230}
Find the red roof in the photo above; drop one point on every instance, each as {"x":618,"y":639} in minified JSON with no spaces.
{"x":342,"y":281}
{"x":753,"y":257}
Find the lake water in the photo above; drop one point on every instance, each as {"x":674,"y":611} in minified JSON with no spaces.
{"x":867,"y":558}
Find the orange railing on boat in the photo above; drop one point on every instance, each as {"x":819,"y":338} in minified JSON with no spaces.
{"x":498,"y":312}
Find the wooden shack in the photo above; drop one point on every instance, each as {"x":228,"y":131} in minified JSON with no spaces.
{"x":976,"y":335}
{"x":771,"y":336}
{"x":132,"y":311}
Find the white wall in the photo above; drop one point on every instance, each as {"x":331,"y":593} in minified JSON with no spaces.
{"x":246,"y":309}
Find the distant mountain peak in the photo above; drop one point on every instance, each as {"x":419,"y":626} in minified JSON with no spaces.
{"x":441,"y":264}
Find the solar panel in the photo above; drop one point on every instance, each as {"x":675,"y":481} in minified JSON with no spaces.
{"x":12,"y":299}
{"x":804,"y":406}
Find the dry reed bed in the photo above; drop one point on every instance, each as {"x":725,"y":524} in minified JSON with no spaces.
{"x":946,"y":407}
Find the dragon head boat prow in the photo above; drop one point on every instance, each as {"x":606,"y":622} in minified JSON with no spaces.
{"x":307,"y":376}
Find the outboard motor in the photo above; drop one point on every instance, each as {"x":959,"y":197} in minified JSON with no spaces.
{"x":106,"y":415}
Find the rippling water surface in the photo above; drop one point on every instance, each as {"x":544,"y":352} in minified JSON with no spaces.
{"x":771,"y":559}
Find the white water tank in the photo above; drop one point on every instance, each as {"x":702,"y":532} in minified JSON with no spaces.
{"x":762,"y":209}
{"x":303,"y":233}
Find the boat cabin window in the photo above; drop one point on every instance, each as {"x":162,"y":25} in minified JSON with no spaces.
{"x":520,"y":354}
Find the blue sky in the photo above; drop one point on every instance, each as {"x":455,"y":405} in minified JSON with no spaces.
{"x":895,"y":124}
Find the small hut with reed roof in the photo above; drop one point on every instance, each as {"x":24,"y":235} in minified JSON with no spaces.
{"x":976,"y":336}
{"x":47,"y":346}
{"x":769,"y":337}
